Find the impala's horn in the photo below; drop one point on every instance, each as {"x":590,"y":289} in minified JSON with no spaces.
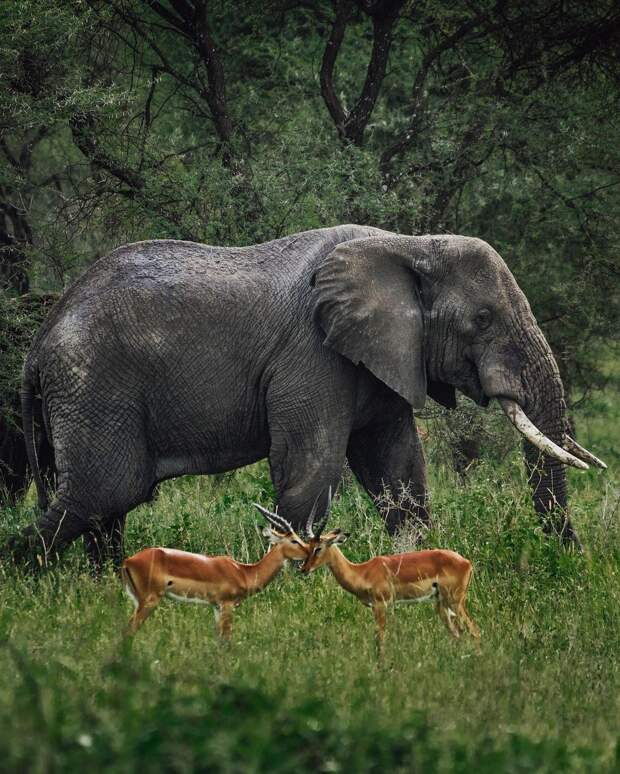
{"x":583,"y":454}
{"x":311,"y":517}
{"x":314,"y":529}
{"x":280,"y":523}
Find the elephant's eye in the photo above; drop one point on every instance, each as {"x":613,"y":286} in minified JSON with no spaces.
{"x":483,"y":318}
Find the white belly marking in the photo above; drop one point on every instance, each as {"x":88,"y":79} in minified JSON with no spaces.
{"x":183,"y":598}
{"x":431,"y":595}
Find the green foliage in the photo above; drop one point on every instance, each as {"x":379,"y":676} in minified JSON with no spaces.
{"x":19,"y":320}
{"x":240,"y":728}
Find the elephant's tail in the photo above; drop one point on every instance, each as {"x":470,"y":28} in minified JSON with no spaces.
{"x":29,"y":384}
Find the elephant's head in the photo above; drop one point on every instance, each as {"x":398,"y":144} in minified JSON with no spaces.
{"x":433,"y":313}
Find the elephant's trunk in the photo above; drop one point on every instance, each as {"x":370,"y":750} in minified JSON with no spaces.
{"x":546,"y":408}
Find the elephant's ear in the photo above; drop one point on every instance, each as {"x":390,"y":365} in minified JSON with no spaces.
{"x":368,"y":305}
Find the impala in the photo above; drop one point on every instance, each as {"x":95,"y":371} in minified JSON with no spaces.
{"x":417,"y":576}
{"x":221,"y":581}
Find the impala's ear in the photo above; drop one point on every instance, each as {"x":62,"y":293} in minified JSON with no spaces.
{"x":335,"y":536}
{"x":271,"y":534}
{"x":368,"y":305}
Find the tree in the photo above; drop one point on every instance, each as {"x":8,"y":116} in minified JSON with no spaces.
{"x":135,"y":119}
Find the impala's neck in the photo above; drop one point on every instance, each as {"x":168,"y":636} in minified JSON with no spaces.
{"x":265,"y":570}
{"x":344,"y":571}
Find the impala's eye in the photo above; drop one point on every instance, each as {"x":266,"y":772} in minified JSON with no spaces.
{"x":295,"y":542}
{"x":483,"y":318}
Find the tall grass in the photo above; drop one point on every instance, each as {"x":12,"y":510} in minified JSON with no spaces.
{"x":300,"y":688}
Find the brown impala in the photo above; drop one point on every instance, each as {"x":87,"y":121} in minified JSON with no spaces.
{"x":221,"y":581}
{"x":417,"y":576}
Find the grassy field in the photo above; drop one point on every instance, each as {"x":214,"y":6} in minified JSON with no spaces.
{"x":300,"y":689}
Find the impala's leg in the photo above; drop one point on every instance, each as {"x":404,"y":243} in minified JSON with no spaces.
{"x":223,"y":618}
{"x":463,"y":616}
{"x":446,"y":612}
{"x":460,"y":595}
{"x":469,"y":624}
{"x":457,"y":618}
{"x":143,"y":611}
{"x":379,"y":609}
{"x":388,"y":461}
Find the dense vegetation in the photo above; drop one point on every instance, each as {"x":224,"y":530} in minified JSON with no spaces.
{"x":235,"y":123}
{"x":238,"y":123}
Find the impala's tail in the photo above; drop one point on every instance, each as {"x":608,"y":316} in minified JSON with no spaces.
{"x":128,"y":585}
{"x":471,"y":626}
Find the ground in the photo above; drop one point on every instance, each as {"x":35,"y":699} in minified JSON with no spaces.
{"x":300,"y":689}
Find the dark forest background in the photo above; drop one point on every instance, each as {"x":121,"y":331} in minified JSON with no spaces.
{"x":238,"y":122}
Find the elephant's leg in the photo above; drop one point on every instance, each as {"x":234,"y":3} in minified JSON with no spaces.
{"x":103,"y":472}
{"x":301,"y":475}
{"x":308,"y":446}
{"x":387,"y":459}
{"x":303,"y":468}
{"x":104,"y":541}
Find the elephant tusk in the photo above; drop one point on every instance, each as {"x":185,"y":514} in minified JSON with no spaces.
{"x":517,"y":416}
{"x":583,"y":454}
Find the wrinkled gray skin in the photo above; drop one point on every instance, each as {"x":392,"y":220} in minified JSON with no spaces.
{"x":168,"y":358}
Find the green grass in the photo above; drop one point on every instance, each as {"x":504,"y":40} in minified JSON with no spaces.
{"x":300,"y":688}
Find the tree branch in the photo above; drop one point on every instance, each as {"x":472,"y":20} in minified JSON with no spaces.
{"x":383,"y":14}
{"x":216,"y":94}
{"x":410,"y":135}
{"x":193,"y":23}
{"x":82,"y":128}
{"x":383,"y":21}
{"x":336,"y":36}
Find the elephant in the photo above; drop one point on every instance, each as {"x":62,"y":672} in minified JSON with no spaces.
{"x":170,"y":357}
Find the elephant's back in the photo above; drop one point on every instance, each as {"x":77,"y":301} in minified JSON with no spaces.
{"x":156,"y":285}
{"x":170,"y":263}
{"x":164,"y":265}
{"x":153,"y":279}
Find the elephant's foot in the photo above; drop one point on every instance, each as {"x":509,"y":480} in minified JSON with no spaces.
{"x":558,"y":524}
{"x":40,"y":544}
{"x":26,"y":550}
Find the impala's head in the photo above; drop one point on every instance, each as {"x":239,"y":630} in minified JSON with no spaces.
{"x":319,"y":545}
{"x":319,"y":549}
{"x":281,"y":533}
